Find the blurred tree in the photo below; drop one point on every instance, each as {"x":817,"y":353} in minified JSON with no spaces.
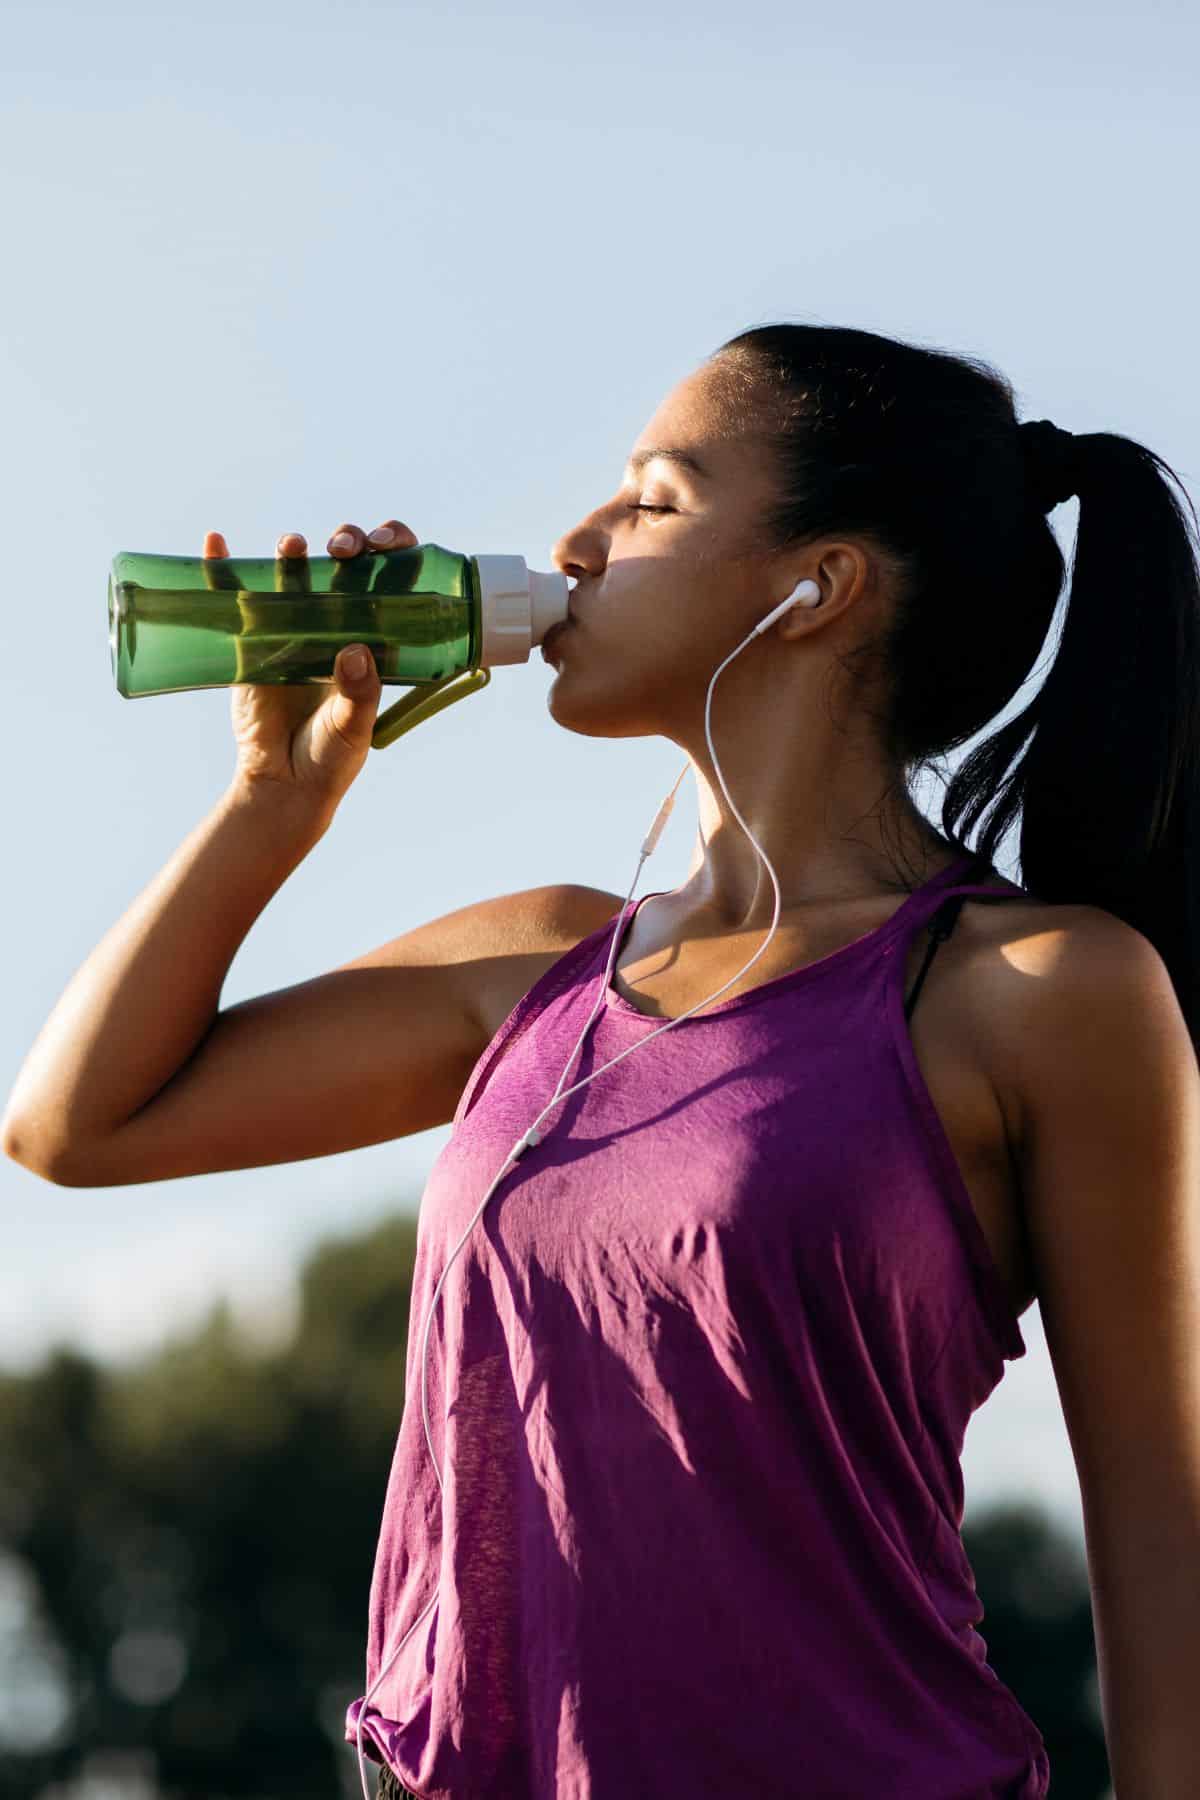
{"x":186,"y":1547}
{"x":190,"y":1542}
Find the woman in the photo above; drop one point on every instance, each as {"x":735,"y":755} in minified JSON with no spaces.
{"x":699,"y":1371}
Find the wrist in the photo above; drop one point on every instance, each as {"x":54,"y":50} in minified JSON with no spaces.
{"x":277,"y":807}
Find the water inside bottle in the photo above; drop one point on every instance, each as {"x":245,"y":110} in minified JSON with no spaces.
{"x":167,"y":638}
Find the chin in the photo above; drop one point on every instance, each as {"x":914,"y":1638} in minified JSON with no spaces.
{"x":595,"y":716}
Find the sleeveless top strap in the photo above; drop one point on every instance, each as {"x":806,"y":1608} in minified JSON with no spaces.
{"x":944,"y":917}
{"x":940,"y":928}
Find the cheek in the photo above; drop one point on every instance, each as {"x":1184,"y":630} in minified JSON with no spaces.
{"x":661,"y":607}
{"x":663,"y":578}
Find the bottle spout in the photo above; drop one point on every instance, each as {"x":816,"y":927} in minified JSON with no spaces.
{"x":548,"y":602}
{"x":518,"y":605}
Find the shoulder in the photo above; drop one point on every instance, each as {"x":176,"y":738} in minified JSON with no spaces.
{"x":1066,"y":1000}
{"x":552,"y":919}
{"x":509,"y":942}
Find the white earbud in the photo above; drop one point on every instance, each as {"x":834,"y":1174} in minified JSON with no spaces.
{"x":805,"y":593}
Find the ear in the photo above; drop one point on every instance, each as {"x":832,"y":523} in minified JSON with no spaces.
{"x":842,"y":573}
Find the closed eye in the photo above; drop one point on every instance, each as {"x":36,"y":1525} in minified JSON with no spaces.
{"x":637,"y":506}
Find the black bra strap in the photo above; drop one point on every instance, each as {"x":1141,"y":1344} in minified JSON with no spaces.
{"x":940,"y":927}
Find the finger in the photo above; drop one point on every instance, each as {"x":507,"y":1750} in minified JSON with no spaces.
{"x":292,"y":544}
{"x":347,"y":540}
{"x":293,"y":571}
{"x":215,"y":545}
{"x":393,"y":534}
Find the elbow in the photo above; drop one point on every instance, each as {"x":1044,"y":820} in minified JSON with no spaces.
{"x":20,"y":1146}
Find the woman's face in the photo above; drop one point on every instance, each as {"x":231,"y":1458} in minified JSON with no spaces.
{"x":669,"y":577}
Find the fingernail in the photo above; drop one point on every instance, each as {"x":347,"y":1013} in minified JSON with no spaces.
{"x":291,"y":544}
{"x":345,"y":540}
{"x":355,"y":664}
{"x":382,"y":534}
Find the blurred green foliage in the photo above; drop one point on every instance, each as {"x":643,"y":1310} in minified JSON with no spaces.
{"x":186,"y":1547}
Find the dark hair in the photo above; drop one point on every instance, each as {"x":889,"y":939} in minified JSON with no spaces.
{"x":919,"y":450}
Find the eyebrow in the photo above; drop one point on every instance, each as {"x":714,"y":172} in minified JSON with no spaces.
{"x":664,"y":453}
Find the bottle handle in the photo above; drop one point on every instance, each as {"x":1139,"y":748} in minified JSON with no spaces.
{"x":421,"y":703}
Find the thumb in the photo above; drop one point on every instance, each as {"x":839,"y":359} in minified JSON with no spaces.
{"x":358,"y":689}
{"x":355,"y":667}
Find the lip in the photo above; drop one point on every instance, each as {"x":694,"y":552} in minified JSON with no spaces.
{"x":552,"y":636}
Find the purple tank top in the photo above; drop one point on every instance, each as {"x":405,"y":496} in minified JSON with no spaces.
{"x":699,"y":1382}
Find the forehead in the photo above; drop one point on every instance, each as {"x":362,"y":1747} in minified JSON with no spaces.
{"x":694,"y":431}
{"x":689,"y":409}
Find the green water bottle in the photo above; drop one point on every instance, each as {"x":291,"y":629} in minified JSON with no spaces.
{"x":433,"y":619}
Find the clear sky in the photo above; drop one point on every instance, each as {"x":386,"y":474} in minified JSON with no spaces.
{"x":274,"y":266}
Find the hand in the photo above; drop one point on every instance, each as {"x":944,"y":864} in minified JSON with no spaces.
{"x":304,"y":740}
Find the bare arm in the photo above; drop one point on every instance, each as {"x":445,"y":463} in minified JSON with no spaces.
{"x":137,"y":1077}
{"x":1111,"y":1167}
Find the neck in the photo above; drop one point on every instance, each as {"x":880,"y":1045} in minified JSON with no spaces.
{"x":835,"y":821}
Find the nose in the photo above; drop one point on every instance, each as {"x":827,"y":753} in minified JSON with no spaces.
{"x":582,"y":551}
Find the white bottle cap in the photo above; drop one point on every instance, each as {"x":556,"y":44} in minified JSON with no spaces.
{"x":518,"y":607}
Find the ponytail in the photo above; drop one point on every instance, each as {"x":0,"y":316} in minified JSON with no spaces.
{"x":1108,"y":783}
{"x":919,"y":451}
